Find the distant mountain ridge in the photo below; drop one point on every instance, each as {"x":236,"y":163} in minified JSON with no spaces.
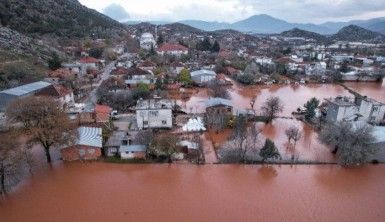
{"x":269,"y":25}
{"x":348,"y":33}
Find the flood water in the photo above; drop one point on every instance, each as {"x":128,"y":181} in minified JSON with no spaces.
{"x":293,"y":97}
{"x":109,"y":192}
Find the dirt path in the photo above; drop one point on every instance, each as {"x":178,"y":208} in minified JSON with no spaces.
{"x":209,"y":151}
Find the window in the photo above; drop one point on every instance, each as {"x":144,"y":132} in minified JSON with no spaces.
{"x":153,"y":113}
{"x":164,"y":122}
{"x":145,"y":122}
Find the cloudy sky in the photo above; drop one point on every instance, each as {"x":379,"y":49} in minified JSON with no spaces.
{"x":303,"y":11}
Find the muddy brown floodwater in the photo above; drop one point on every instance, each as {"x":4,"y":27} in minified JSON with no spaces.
{"x":109,"y":192}
{"x":292,"y":96}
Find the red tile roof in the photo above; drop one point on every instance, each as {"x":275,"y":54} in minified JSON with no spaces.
{"x":87,"y":60}
{"x":147,"y":64}
{"x":103,"y":109}
{"x":167,"y":47}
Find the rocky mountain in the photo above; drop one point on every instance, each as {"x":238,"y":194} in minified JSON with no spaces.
{"x":62,"y":18}
{"x":16,"y":46}
{"x":305,"y":34}
{"x":356,"y":33}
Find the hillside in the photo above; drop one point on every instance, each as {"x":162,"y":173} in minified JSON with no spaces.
{"x":15,"y":46}
{"x":62,"y":18}
{"x":304,"y":34}
{"x":356,"y":33}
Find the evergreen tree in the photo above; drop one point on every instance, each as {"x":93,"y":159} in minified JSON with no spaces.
{"x":269,"y":151}
{"x":216,"y":47}
{"x":54,"y":63}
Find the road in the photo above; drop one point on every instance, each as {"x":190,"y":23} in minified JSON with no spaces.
{"x":92,"y":98}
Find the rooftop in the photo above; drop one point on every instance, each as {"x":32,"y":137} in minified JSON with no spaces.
{"x":218,"y":101}
{"x":154,"y":104}
{"x":90,"y":136}
{"x":26,"y":89}
{"x":171,"y":47}
{"x":202,"y":72}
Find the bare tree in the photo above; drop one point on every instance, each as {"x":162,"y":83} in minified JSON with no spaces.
{"x":164,"y":145}
{"x":11,"y":158}
{"x":353,"y":144}
{"x":272,"y":107}
{"x":243,"y":145}
{"x":294,"y":134}
{"x":218,"y":90}
{"x":44,"y":121}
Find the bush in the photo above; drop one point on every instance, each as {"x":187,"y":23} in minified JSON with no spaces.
{"x":246,"y":79}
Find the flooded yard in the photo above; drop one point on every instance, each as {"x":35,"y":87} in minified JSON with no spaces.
{"x":293,"y":97}
{"x":109,"y":192}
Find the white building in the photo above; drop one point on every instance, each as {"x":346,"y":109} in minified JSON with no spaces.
{"x":203,"y":76}
{"x":154,"y":113}
{"x":355,"y":109}
{"x":172,"y":49}
{"x":147,"y":41}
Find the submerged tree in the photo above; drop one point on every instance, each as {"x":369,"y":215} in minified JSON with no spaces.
{"x":272,"y":107}
{"x":243,"y":146}
{"x":311,"y":107}
{"x":44,"y":121}
{"x":353,"y":144}
{"x":11,"y":157}
{"x":269,"y":151}
{"x":294,"y":134}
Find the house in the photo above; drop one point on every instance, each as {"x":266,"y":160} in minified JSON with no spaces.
{"x":137,"y":75}
{"x":172,"y":49}
{"x":147,"y":41}
{"x":355,"y":109}
{"x":9,"y":95}
{"x":132,"y":151}
{"x":76,"y":68}
{"x":147,"y":65}
{"x":203,"y":76}
{"x":176,"y":68}
{"x":87,"y":147}
{"x":119,"y":71}
{"x":188,"y":146}
{"x":117,"y":139}
{"x":102,"y":113}
{"x":216,"y":106}
{"x":60,"y":93}
{"x":318,"y":68}
{"x":154,"y":113}
{"x":90,"y":63}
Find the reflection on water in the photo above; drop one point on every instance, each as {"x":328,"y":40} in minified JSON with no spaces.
{"x":109,"y":192}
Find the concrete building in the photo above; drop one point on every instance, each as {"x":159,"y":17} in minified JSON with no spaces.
{"x":154,"y":113}
{"x":203,"y":76}
{"x":172,"y":49}
{"x":10,"y":95}
{"x":355,"y":109}
{"x":147,"y":41}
